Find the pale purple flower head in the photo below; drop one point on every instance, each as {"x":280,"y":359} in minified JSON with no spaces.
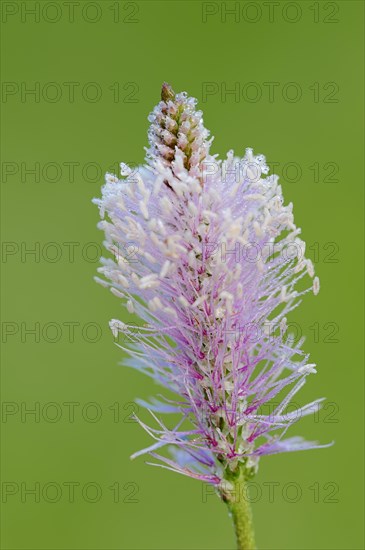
{"x":208,"y":256}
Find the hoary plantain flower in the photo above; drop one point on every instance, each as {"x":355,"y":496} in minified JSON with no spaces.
{"x":214,"y":271}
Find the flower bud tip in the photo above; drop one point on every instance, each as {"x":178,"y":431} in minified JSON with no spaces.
{"x":167,"y":92}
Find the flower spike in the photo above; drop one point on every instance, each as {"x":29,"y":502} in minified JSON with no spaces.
{"x":208,"y":256}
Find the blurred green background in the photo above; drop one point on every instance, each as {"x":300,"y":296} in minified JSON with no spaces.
{"x":95,"y":69}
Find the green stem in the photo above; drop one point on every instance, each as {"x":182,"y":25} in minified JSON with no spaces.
{"x":239,"y":507}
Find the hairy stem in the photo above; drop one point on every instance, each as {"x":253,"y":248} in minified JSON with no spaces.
{"x":237,"y":500}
